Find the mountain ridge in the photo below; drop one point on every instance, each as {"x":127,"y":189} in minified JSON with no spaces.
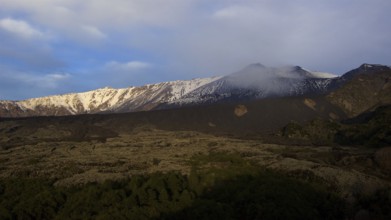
{"x":99,"y":100}
{"x":255,"y":81}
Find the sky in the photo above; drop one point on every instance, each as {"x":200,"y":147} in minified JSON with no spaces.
{"x":52,"y":47}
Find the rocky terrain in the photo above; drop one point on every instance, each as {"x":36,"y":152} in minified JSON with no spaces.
{"x":365,"y":89}
{"x":147,"y":149}
{"x":79,"y":151}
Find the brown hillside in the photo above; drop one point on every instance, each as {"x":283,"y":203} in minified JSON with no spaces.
{"x":363,"y":92}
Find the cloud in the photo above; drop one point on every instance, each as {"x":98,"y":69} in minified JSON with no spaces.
{"x":123,"y":74}
{"x":331,"y":36}
{"x":21,"y":29}
{"x":116,"y":74}
{"x":47,"y":81}
{"x":16,"y":85}
{"x":54,"y":79}
{"x":127,"y":66}
{"x":97,"y":15}
{"x":186,"y":39}
{"x":221,"y":36}
{"x":235,"y":12}
{"x":93,"y":32}
{"x":25,"y":47}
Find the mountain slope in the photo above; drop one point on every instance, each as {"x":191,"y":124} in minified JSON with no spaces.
{"x":102,"y":100}
{"x":256,"y":82}
{"x":364,"y":89}
{"x":257,"y":117}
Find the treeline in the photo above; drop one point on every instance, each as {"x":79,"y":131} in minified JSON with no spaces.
{"x":200,"y":195}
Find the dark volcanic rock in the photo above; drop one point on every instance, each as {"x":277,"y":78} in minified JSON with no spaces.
{"x":383,"y":158}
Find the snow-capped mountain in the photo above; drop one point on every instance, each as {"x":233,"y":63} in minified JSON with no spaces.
{"x":257,"y":81}
{"x":103,"y":100}
{"x":253,"y":82}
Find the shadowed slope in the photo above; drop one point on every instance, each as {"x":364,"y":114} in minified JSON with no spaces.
{"x":231,"y":119}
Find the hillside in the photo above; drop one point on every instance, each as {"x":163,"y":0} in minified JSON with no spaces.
{"x":365,"y":89}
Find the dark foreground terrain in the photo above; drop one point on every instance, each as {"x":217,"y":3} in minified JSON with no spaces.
{"x":141,"y":166}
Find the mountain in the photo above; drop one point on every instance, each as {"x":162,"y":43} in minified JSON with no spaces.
{"x":102,"y":100}
{"x":254,"y":82}
{"x":364,"y":89}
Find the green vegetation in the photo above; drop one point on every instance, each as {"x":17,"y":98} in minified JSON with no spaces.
{"x":219,"y":186}
{"x":316,"y":132}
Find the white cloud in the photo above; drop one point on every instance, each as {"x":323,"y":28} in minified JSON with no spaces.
{"x":20,"y":28}
{"x":52,"y":81}
{"x":93,"y":32}
{"x":234,"y":12}
{"x":127,"y":66}
{"x":123,"y":74}
{"x":57,"y":76}
{"x":48,"y":81}
{"x":16,"y":85}
{"x":118,"y":15}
